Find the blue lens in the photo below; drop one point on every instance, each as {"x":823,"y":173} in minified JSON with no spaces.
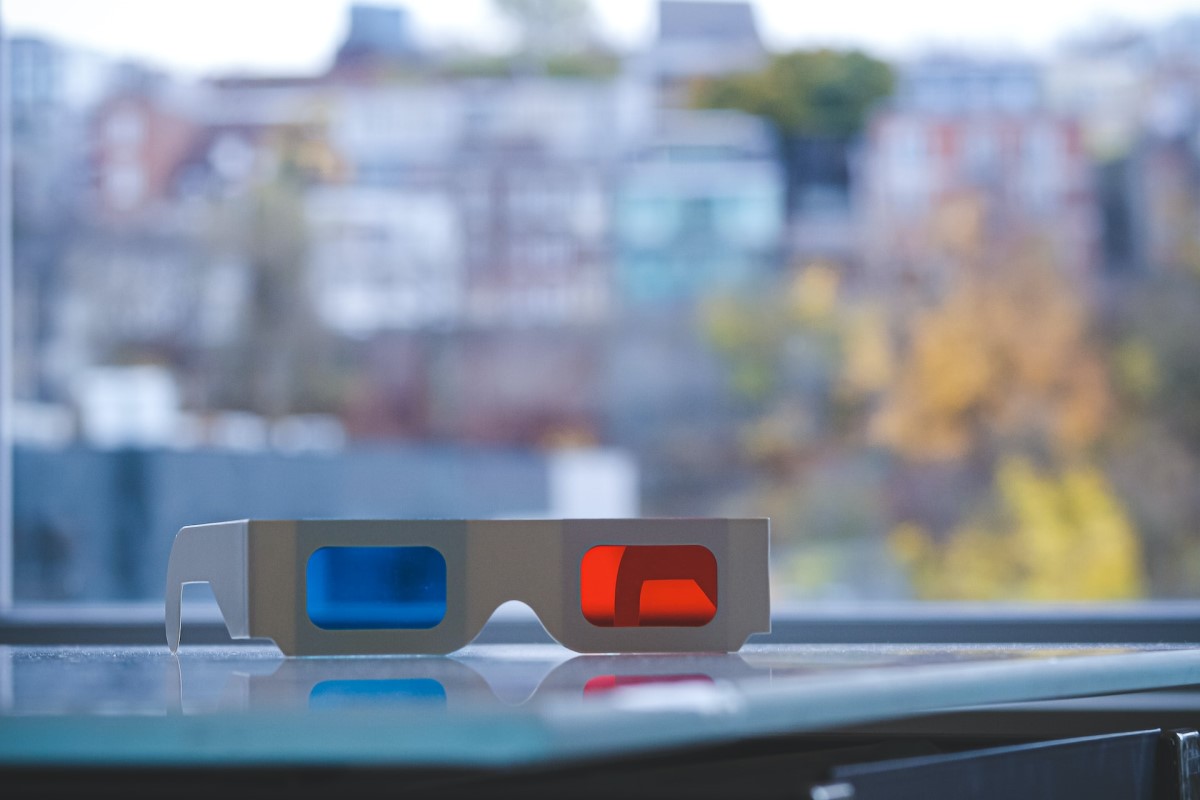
{"x":353,"y":588}
{"x":357,"y":694}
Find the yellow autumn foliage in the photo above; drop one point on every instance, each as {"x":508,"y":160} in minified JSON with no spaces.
{"x":1137,"y":368}
{"x":868,"y":362}
{"x":1049,"y":537}
{"x":813,"y":293}
{"x":751,"y":332}
{"x":1004,"y":352}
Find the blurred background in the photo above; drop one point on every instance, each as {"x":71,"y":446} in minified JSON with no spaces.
{"x":925,"y":294}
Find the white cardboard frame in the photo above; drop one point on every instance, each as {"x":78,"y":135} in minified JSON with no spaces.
{"x":257,"y":572}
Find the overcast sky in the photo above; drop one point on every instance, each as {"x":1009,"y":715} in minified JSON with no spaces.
{"x":293,"y":36}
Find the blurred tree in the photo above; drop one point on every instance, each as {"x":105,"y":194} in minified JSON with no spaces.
{"x":816,"y":100}
{"x":282,"y":361}
{"x":1000,"y":369}
{"x":821,"y":488}
{"x":1005,"y":359}
{"x":1160,"y":366}
{"x":593,"y":64}
{"x":821,"y":93}
{"x":1154,"y":448}
{"x":868,"y":360}
{"x":1042,"y":536}
{"x":755,"y":334}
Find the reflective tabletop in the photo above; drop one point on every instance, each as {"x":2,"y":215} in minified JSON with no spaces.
{"x":492,"y":705}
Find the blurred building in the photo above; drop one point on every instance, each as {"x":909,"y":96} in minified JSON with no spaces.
{"x":157,"y":271}
{"x":1136,"y":94}
{"x":954,"y":85}
{"x":1162,"y":174}
{"x":53,"y":88}
{"x":499,"y":186}
{"x":468,"y":239}
{"x":968,"y":157}
{"x":534,"y":171}
{"x":698,"y":38}
{"x":1098,"y":80}
{"x":1179,"y":40}
{"x":698,"y":215}
{"x":699,"y":210}
{"x":376,"y":32}
{"x":43,"y":150}
{"x":141,"y":135}
{"x":824,"y":218}
{"x":385,"y":259}
{"x":474,"y":219}
{"x":1163,"y":171}
{"x":112,"y":541}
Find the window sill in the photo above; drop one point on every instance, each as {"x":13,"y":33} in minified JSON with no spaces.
{"x":1141,"y":622}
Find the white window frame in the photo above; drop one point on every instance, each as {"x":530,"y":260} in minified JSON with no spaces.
{"x":7,"y":570}
{"x":1144,"y":621}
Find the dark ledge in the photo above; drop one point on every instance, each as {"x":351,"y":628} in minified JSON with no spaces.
{"x":1149,"y":622}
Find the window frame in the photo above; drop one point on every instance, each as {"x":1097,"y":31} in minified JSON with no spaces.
{"x":7,"y":565}
{"x":874,"y":622}
{"x":1168,"y":623}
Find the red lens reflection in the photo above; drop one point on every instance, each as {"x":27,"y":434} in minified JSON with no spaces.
{"x":631,"y":586}
{"x":606,"y":683}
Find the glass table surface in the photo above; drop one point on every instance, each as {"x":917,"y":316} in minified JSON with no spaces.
{"x":490,"y":705}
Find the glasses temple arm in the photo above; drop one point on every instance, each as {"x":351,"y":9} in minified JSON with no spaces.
{"x":213,"y":554}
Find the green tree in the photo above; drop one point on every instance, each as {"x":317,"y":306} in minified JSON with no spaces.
{"x":805,"y":93}
{"x":818,"y":101}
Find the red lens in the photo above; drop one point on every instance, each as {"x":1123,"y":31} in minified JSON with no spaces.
{"x":606,"y":683}
{"x":632,"y":586}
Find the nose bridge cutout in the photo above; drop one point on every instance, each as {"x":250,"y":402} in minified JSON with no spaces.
{"x":513,"y":622}
{"x":518,"y":562}
{"x":513,"y":680}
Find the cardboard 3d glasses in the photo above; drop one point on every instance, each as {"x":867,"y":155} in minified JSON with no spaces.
{"x":336,"y":587}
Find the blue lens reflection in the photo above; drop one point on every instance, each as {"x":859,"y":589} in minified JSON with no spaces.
{"x":376,"y":587}
{"x":353,"y":694}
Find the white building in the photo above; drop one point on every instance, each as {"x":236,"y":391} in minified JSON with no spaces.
{"x":385,"y":259}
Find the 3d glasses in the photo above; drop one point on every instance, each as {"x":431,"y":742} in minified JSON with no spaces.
{"x":338,"y":587}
